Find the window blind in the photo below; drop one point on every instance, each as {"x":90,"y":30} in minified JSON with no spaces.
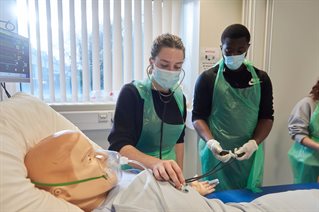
{"x":91,"y":48}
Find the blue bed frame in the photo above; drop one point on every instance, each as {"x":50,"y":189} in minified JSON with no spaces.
{"x":245,"y":195}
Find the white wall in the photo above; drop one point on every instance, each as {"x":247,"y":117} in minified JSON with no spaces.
{"x":294,"y":69}
{"x":215,"y":15}
{"x":95,"y":120}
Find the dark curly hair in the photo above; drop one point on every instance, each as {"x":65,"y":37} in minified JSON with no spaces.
{"x":166,"y":40}
{"x":235,"y":31}
{"x":314,"y":93}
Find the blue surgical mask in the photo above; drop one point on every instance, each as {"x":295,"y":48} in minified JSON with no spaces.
{"x":234,"y":62}
{"x":165,"y":78}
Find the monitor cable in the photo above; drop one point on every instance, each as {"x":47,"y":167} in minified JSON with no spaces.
{"x":3,"y":85}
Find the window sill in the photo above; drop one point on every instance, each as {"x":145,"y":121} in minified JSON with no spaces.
{"x":88,"y":106}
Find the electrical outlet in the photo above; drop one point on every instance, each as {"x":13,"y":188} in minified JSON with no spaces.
{"x":103,"y":117}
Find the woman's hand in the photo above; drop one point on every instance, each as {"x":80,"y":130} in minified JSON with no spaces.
{"x":168,"y":170}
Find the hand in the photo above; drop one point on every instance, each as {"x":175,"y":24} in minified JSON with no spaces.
{"x":203,"y":187}
{"x":247,"y":150}
{"x":216,"y":149}
{"x":168,"y":170}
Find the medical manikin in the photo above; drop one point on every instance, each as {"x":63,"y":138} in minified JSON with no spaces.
{"x":67,"y":165}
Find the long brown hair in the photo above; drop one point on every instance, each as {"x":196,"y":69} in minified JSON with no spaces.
{"x":314,"y":93}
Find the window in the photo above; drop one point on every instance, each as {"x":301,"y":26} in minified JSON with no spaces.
{"x":81,"y":48}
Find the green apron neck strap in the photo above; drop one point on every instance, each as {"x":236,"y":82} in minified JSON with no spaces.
{"x":178,"y":95}
{"x":144,"y":88}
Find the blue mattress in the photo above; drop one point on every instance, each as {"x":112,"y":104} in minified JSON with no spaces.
{"x":245,"y":195}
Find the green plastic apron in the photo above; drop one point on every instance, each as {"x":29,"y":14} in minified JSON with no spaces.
{"x":305,"y":161}
{"x":232,"y":121}
{"x":149,"y":142}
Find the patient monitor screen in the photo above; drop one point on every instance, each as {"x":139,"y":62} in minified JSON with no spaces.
{"x":14,"y":57}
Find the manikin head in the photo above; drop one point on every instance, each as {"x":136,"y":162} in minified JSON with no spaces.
{"x":67,"y":165}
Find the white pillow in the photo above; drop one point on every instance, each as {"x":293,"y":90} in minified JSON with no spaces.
{"x":24,"y":121}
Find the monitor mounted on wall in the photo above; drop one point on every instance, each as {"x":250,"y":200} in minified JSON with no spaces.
{"x":14,"y":57}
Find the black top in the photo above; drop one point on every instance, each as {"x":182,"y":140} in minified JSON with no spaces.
{"x":203,"y":94}
{"x":128,"y":118}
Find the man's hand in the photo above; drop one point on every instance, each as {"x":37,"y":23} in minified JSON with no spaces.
{"x":168,"y":170}
{"x":245,"y":152}
{"x":218,"y":151}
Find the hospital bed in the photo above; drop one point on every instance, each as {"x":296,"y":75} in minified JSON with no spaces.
{"x":24,"y":121}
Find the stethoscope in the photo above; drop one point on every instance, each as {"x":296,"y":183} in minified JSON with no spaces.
{"x":215,"y":169}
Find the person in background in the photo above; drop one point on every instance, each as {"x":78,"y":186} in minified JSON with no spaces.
{"x":303,"y":126}
{"x":233,"y":113}
{"x":149,"y":120}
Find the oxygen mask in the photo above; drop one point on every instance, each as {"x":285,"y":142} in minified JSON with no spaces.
{"x":110,"y":162}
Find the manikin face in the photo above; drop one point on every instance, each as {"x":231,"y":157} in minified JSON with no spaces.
{"x":67,"y":157}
